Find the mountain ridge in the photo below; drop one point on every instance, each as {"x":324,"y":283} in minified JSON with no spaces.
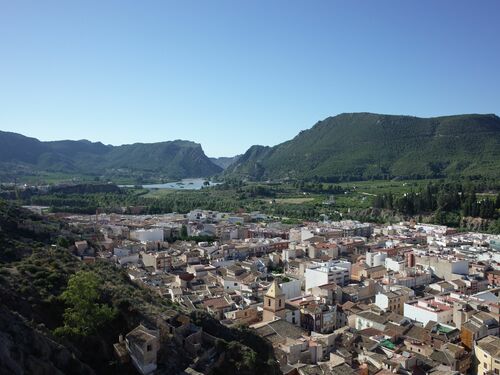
{"x":357,"y":146}
{"x":173,"y":159}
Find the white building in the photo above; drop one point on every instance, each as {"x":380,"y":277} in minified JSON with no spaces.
{"x":147,"y":235}
{"x":132,"y":258}
{"x":291,"y":288}
{"x":444,"y":267}
{"x":396,"y":265}
{"x":427,"y":309}
{"x":306,"y":234}
{"x":375,"y":259}
{"x":159,"y":260}
{"x":338,"y":272}
{"x":231,"y":284}
{"x":289,"y":254}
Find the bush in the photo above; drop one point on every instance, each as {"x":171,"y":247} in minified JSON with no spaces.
{"x":84,"y":314}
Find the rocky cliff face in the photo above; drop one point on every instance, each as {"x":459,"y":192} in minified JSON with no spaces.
{"x":25,"y":349}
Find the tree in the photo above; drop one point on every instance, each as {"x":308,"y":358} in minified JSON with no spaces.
{"x":62,"y":242}
{"x":84,"y":314}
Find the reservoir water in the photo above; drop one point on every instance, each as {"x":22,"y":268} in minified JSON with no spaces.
{"x":184,"y":184}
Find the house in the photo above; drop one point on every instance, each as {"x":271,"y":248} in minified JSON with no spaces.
{"x":359,"y":292}
{"x":319,"y":318}
{"x":394,"y":300}
{"x":81,"y":246}
{"x":147,"y":235}
{"x":374,"y":318}
{"x":452,"y":357}
{"x":346,"y":313}
{"x":246,"y":316}
{"x":291,"y":287}
{"x":442,"y":287}
{"x":159,"y":260}
{"x":418,"y":340}
{"x":142,"y":345}
{"x":478,"y":326}
{"x":459,"y":285}
{"x":440,"y":334}
{"x":191,"y":257}
{"x":318,"y":274}
{"x":288,"y":340}
{"x":487,"y":351}
{"x":376,"y":272}
{"x":429,"y":309}
{"x":218,"y":306}
{"x":328,"y":293}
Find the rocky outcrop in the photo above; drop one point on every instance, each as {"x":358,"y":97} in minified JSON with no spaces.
{"x":28,"y":350}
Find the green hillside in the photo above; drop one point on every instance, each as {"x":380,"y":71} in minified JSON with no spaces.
{"x":20,"y":155}
{"x":357,"y":146}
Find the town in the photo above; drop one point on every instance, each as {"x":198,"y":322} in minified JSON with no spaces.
{"x":340,"y":297}
{"x":250,"y":187}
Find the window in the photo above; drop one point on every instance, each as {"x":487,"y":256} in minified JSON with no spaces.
{"x":268,"y":302}
{"x":149,"y":348}
{"x":279,"y":302}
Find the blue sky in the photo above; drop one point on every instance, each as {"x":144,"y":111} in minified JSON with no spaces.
{"x":230,"y":74}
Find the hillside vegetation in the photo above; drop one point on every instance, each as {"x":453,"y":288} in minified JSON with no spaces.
{"x":20,"y":156}
{"x":359,"y":146}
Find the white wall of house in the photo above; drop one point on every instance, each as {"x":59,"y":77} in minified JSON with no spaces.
{"x":147,"y":235}
{"x":291,"y":288}
{"x":419,"y":314}
{"x":315,"y":277}
{"x":232,"y":285}
{"x":328,"y":272}
{"x":133,"y":258}
{"x":394,"y":265}
{"x":375,"y":259}
{"x":382,"y":301}
{"x":363,"y":323}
